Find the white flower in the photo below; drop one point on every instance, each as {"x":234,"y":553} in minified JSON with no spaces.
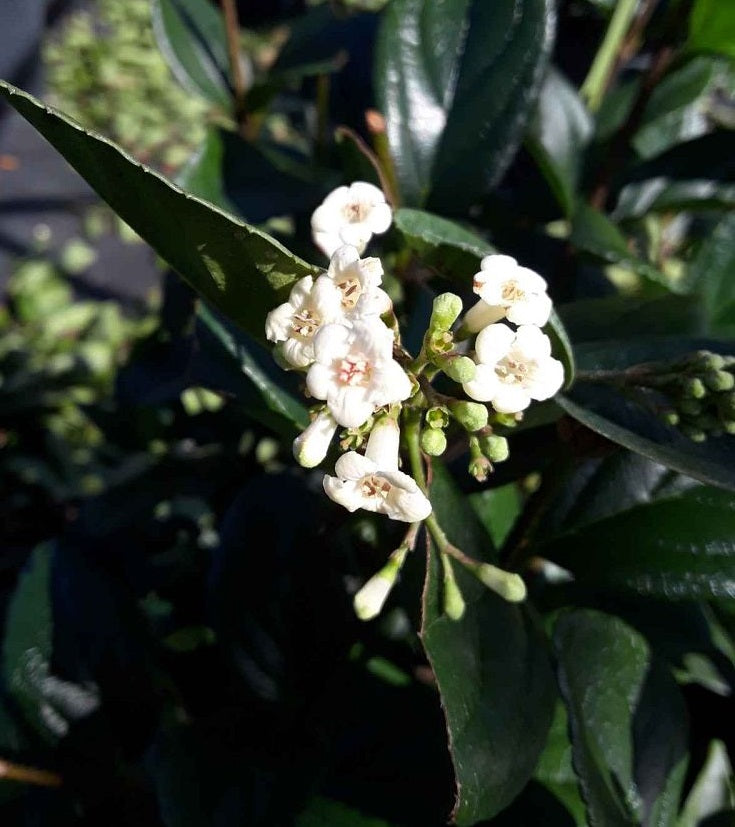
{"x":350,"y":215}
{"x":369,"y":600}
{"x":510,"y":291}
{"x":354,"y":370}
{"x":311,"y":446}
{"x":359,"y":482}
{"x":295,"y":322}
{"x":359,"y":282}
{"x":514,"y":368}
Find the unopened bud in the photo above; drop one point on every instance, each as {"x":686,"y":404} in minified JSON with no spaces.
{"x":711,"y":361}
{"x":459,"y":368}
{"x":471,"y":415}
{"x":694,"y":433}
{"x":719,"y":380}
{"x":310,"y":447}
{"x":670,"y":417}
{"x":454,"y":605}
{"x":370,"y":599}
{"x":495,"y":448}
{"x":504,"y":583}
{"x":479,"y":468}
{"x":507,"y":420}
{"x":693,"y":388}
{"x":437,"y":417}
{"x":445,"y":311}
{"x":433,"y":442}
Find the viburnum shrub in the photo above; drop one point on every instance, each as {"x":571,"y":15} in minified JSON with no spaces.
{"x":428,"y":453}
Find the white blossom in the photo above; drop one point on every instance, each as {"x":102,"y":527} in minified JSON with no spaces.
{"x":359,"y":482}
{"x":295,"y":322}
{"x":358,"y":280}
{"x":513,"y":368}
{"x":311,"y":446}
{"x":354,"y":370}
{"x":350,"y":215}
{"x":507,"y":290}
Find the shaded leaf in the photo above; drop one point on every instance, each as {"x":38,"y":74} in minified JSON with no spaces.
{"x":497,"y":728}
{"x":242,"y":271}
{"x":713,"y":789}
{"x":456,"y":81}
{"x":712,"y":27}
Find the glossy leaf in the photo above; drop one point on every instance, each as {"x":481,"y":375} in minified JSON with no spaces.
{"x":712,"y":27}
{"x":191,"y":35}
{"x":557,"y":135}
{"x":240,"y":270}
{"x":628,"y":721}
{"x":456,"y":80}
{"x":625,"y":421}
{"x":497,"y":728}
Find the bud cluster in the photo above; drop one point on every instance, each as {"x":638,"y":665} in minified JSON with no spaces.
{"x":340,"y":330}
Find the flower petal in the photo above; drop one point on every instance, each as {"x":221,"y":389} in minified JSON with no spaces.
{"x":380,"y":218}
{"x":390,"y":384}
{"x":533,"y":310}
{"x":531,"y":343}
{"x":485,"y":384}
{"x":342,"y":259}
{"x":366,"y":192}
{"x":344,"y":493}
{"x":278,"y":323}
{"x":357,"y":235}
{"x":354,"y":466}
{"x":499,"y":265}
{"x":331,"y":342}
{"x":327,"y":241}
{"x":493,"y":343}
{"x":547,"y":380}
{"x":319,"y":380}
{"x":407,"y":506}
{"x":298,"y":353}
{"x":510,"y":398}
{"x":481,"y":314}
{"x":350,"y":405}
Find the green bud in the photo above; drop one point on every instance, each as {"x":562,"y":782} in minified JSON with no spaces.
{"x":459,"y":368}
{"x":437,"y":417}
{"x":445,"y":312}
{"x":504,"y":583}
{"x":495,"y":448}
{"x":670,"y":417}
{"x":454,"y":604}
{"x":507,"y":420}
{"x":479,"y":468}
{"x":694,"y":433}
{"x":439,"y":342}
{"x":433,"y":442}
{"x":471,"y":415}
{"x":711,"y":361}
{"x":690,"y":407}
{"x":693,"y":388}
{"x":728,"y":427}
{"x":369,"y":600}
{"x":719,"y":380}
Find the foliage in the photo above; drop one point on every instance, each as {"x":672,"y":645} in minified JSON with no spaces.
{"x":179,"y":644}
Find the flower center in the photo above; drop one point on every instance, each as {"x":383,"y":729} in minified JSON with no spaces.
{"x":512,"y":292}
{"x":354,"y":370}
{"x":512,"y":372}
{"x":351,"y":289}
{"x":374,"y":486}
{"x":305,"y":323}
{"x":356,"y":212}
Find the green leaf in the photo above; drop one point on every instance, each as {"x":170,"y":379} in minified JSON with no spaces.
{"x":558,"y":133}
{"x":443,"y":245}
{"x":498,"y":508}
{"x":628,"y":721}
{"x":679,"y":547}
{"x":191,"y":35}
{"x":712,"y":791}
{"x":623,"y":420}
{"x":323,"y":812}
{"x":456,"y":82}
{"x":595,"y":233}
{"x":492,"y":670}
{"x":710,"y":274}
{"x":240,"y":270}
{"x":712,"y":27}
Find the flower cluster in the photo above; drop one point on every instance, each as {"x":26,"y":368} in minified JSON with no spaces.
{"x":340,"y":330}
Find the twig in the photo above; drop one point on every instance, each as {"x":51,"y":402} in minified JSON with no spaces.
{"x":232,"y":28}
{"x":365,"y":150}
{"x":28,"y":775}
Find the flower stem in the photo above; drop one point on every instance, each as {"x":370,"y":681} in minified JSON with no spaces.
{"x":232,"y":28}
{"x":595,"y":84}
{"x":385,"y":183}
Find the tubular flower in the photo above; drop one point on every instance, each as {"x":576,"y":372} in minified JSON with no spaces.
{"x":350,"y":215}
{"x":311,"y":446}
{"x":295,"y":322}
{"x":358,"y":280}
{"x":359,"y":482}
{"x":354,"y":370}
{"x":510,"y":291}
{"x":513,"y":368}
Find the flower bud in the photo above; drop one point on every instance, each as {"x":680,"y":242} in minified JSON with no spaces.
{"x":719,"y":380}
{"x":504,"y":583}
{"x":471,"y":415}
{"x":433,"y":442}
{"x":445,"y":312}
{"x":459,"y":368}
{"x":454,"y":604}
{"x":495,"y":448}
{"x":437,"y":417}
{"x":710,"y":361}
{"x":370,"y":599}
{"x":670,"y":417}
{"x":383,"y":442}
{"x":480,"y":468}
{"x":311,"y":446}
{"x":693,"y":388}
{"x":694,"y":433}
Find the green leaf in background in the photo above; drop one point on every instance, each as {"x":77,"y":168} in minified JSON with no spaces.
{"x":557,"y":135}
{"x":712,"y":27}
{"x":492,"y":669}
{"x":456,"y":81}
{"x":242,"y":271}
{"x":443,"y":245}
{"x":623,"y":420}
{"x":628,"y":721}
{"x":711,"y":274}
{"x":191,"y":36}
{"x":323,"y":812}
{"x":713,"y":789}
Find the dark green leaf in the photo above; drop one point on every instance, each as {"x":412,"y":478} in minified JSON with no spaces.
{"x":628,"y":721}
{"x":497,"y":728}
{"x":710,"y":274}
{"x":456,"y":81}
{"x":323,"y":812}
{"x":595,"y":233}
{"x":712,"y":27}
{"x":241,"y":271}
{"x":191,"y":35}
{"x":625,"y":421}
{"x":557,"y":135}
